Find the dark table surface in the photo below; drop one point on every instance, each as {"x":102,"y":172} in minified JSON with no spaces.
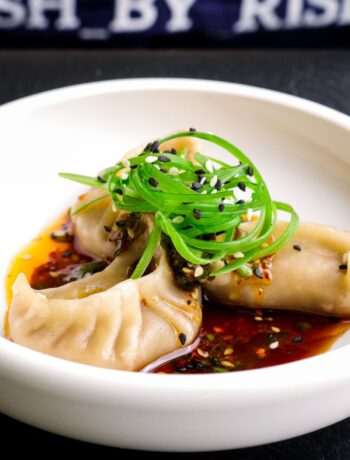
{"x":322,"y":76}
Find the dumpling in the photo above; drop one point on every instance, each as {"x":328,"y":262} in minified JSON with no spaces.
{"x":124,"y":327}
{"x":103,"y":232}
{"x":310,"y":275}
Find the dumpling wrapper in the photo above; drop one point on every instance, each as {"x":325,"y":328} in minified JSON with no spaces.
{"x":124,"y":327}
{"x":308,"y":280}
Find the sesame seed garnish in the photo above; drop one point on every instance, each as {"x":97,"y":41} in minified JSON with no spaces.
{"x":153,"y":182}
{"x":163,"y":159}
{"x":163,"y":170}
{"x":151,"y":159}
{"x":275,"y":329}
{"x":124,"y":176}
{"x":121,"y":223}
{"x":200,"y":171}
{"x":101,"y":179}
{"x":258,"y":318}
{"x":119,"y":191}
{"x":174,"y":171}
{"x":26,"y":257}
{"x":196,"y":214}
{"x":242,"y":186}
{"x":257,"y":272}
{"x":126,"y":163}
{"x":133,"y":166}
{"x":297,"y":247}
{"x":250,"y":171}
{"x":213,"y":181}
{"x":274,"y":345}
{"x":148,"y":147}
{"x":107,"y":229}
{"x":155,"y":146}
{"x":67,"y":254}
{"x":182,"y":338}
{"x":178,"y":219}
{"x":298,"y":339}
{"x":196,"y":185}
{"x":202,"y":180}
{"x":228,"y":351}
{"x":238,"y":255}
{"x":202,"y":353}
{"x":192,"y":130}
{"x":240,"y":202}
{"x":343,"y":266}
{"x":198,"y":271}
{"x":227,"y":364}
{"x":204,"y":192}
{"x":209,"y":166}
{"x":173,"y":151}
{"x":218,"y":185}
{"x":221,"y":207}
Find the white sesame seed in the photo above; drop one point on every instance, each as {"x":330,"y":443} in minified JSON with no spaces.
{"x":230,"y":200}
{"x":126,"y":163}
{"x":157,"y":166}
{"x":178,"y":219}
{"x":209,"y":166}
{"x":203,"y":180}
{"x":249,"y":214}
{"x":258,"y":318}
{"x":174,"y":171}
{"x":204,"y":192}
{"x":151,"y":159}
{"x":198,"y":271}
{"x":275,"y":329}
{"x":274,"y":345}
{"x":213,"y":181}
{"x":124,"y":176}
{"x":214,"y":191}
{"x":238,"y":255}
{"x":26,"y":257}
{"x":345,"y":258}
{"x":216,"y":166}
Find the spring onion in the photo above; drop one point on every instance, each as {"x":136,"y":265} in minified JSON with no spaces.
{"x":194,"y":202}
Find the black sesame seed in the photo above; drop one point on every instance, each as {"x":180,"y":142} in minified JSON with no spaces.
{"x":153,"y":182}
{"x":192,"y":130}
{"x":148,"y":147}
{"x":333,"y":319}
{"x":163,"y":170}
{"x":218,"y":185}
{"x":155,"y":146}
{"x":107,"y":229}
{"x":258,"y":273}
{"x":198,"y":365}
{"x":133,"y":166}
{"x":221,"y":207}
{"x":250,"y":171}
{"x":121,"y":223}
{"x":67,"y":254}
{"x":182,"y":338}
{"x":173,"y":151}
{"x":196,"y":185}
{"x":101,"y":179}
{"x":135,"y":215}
{"x":200,"y":177}
{"x":240,"y":202}
{"x":163,"y":159}
{"x":343,"y":266}
{"x":119,"y":191}
{"x":187,"y":227}
{"x":298,"y":339}
{"x":197,"y":214}
{"x":200,"y":171}
{"x":297,"y":247}
{"x":242,"y":186}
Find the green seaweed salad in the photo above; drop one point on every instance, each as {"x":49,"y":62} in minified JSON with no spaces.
{"x":197,"y":204}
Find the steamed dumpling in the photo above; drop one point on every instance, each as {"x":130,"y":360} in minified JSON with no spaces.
{"x":124,"y":327}
{"x":309,"y":279}
{"x":90,"y":226}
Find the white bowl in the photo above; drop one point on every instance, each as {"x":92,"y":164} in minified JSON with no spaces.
{"x":302,"y":149}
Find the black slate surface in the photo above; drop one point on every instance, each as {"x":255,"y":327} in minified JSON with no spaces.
{"x":322,"y":76}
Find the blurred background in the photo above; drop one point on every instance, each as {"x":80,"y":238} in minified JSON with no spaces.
{"x":175,"y":23}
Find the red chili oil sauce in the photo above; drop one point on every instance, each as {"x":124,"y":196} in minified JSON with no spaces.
{"x":231,"y":339}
